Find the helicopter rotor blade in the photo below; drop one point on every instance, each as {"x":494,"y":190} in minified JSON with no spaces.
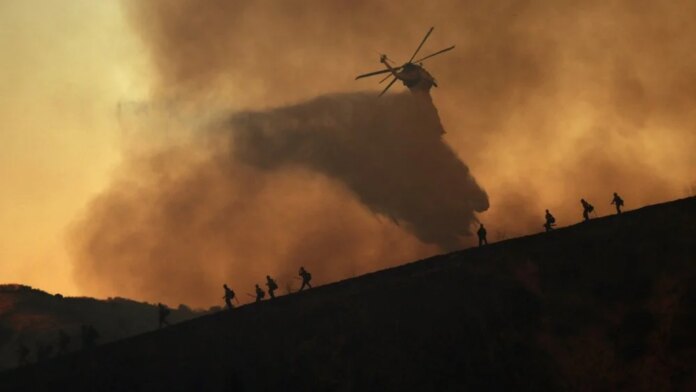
{"x":421,"y":44}
{"x":435,"y":54}
{"x":385,"y":78}
{"x":371,"y":74}
{"x":396,"y":69}
{"x":387,"y":88}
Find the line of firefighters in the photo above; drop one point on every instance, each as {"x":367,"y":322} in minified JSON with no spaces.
{"x":587,"y":209}
{"x":272,"y":287}
{"x":89,"y":334}
{"x":306,"y":277}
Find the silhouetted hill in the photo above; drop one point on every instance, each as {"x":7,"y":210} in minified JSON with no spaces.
{"x":604,"y":305}
{"x":33,"y":318}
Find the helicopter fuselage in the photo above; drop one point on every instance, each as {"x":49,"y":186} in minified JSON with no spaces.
{"x":412,"y":74}
{"x":416,"y":78}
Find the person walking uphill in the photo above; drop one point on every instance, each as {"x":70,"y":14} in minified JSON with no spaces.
{"x":587,"y":208}
{"x":550,"y":221}
{"x":163,"y":314}
{"x":618,"y":202}
{"x":89,"y":336}
{"x":229,"y":295}
{"x":306,"y":277}
{"x":482,"y":235}
{"x":259,"y":293}
{"x":272,"y":286}
{"x":63,"y":342}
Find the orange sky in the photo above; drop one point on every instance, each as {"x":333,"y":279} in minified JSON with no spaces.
{"x":65,"y":66}
{"x":546,"y":104}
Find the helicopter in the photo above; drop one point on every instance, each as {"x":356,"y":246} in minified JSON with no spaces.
{"x":411,"y":73}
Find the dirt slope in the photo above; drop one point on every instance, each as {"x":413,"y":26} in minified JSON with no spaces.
{"x":604,"y":305}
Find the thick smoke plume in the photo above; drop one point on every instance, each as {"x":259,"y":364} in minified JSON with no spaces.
{"x":387,"y":151}
{"x":546,"y":101}
{"x":337,"y":184}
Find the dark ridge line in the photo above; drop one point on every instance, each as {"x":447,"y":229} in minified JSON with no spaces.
{"x":458,"y":257}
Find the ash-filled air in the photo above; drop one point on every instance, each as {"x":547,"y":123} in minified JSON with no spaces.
{"x":547,"y":102}
{"x":341,"y":184}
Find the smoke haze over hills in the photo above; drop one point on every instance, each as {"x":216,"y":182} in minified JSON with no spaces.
{"x":546,"y":102}
{"x":342,"y":184}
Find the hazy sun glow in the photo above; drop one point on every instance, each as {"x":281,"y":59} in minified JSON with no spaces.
{"x":65,"y":67}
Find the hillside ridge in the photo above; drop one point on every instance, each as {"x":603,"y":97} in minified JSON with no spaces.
{"x":605,"y":304}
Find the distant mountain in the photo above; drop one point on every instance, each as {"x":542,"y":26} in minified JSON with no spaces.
{"x":604,"y":305}
{"x":33,"y":318}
